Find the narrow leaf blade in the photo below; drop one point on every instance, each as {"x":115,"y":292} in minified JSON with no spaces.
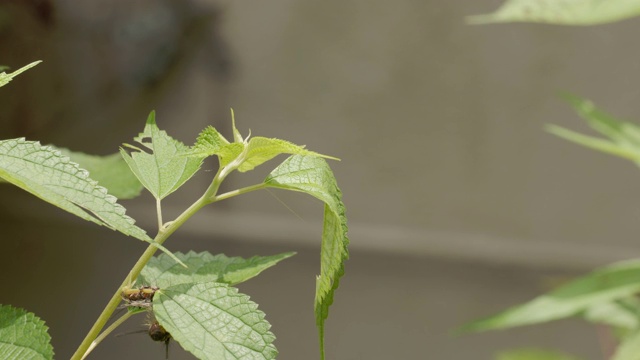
{"x":166,"y":168}
{"x":6,"y":78}
{"x":565,"y":12}
{"x":312,"y":175}
{"x":23,"y":335}
{"x":617,"y":281}
{"x":213,"y":321}
{"x":161,"y":271}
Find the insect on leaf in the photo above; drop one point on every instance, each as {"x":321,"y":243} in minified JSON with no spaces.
{"x":214,"y":321}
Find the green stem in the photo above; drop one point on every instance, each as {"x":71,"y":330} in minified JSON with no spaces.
{"x":240,"y":191}
{"x":108,"y":331}
{"x":163,"y":234}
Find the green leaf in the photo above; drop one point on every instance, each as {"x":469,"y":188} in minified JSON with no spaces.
{"x":624,"y":137}
{"x":533,"y":354}
{"x":161,"y":271}
{"x":261,"y":150}
{"x":23,"y":335}
{"x":110,"y":171}
{"x":622,"y":314}
{"x":6,"y":78}
{"x":210,"y":142}
{"x":213,"y":321}
{"x":614,"y":282}
{"x":51,"y":176}
{"x":629,"y":348}
{"x":166,"y":168}
{"x":565,"y":12}
{"x":312,"y":175}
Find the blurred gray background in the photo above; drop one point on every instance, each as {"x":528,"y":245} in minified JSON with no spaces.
{"x":459,"y":203}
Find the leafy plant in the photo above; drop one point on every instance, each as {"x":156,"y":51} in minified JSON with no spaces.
{"x":190,"y":295}
{"x":608,"y":295}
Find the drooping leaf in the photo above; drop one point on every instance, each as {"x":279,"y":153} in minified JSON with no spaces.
{"x":161,"y":271}
{"x":533,"y":354}
{"x":213,"y":321}
{"x":110,"y":171}
{"x":23,"y":335}
{"x":614,"y":282}
{"x":564,"y":12}
{"x":623,"y":137}
{"x":6,"y":78}
{"x":312,"y":175}
{"x":51,"y":176}
{"x":629,"y":348}
{"x":165,"y":169}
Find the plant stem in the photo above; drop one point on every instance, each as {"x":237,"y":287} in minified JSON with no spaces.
{"x":105,"y":333}
{"x":240,"y":191}
{"x":163,"y":234}
{"x":159,"y":212}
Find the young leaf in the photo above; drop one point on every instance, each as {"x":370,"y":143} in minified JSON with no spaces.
{"x":110,"y":171}
{"x":312,"y":175}
{"x":624,"y":138}
{"x":565,"y":12}
{"x":533,"y":354}
{"x":617,"y":281}
{"x":213,"y":321}
{"x":23,"y":335}
{"x":165,"y":169}
{"x":261,"y":150}
{"x":161,"y":271}
{"x":629,"y":348}
{"x":51,"y":176}
{"x":6,"y":78}
{"x":210,"y":142}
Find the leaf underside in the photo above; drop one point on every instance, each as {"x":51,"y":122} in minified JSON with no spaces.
{"x":166,"y":168}
{"x":213,"y":321}
{"x":23,"y":335}
{"x":163,"y":272}
{"x":46,"y":173}
{"x":312,"y":175}
{"x":564,"y":12}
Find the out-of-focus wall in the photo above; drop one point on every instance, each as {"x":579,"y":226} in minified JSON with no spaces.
{"x":450,"y":182}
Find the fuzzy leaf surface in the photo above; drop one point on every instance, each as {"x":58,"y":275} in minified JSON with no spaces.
{"x":23,"y":335}
{"x":110,"y":171}
{"x":166,"y":168}
{"x":6,"y":78}
{"x":53,"y":177}
{"x":46,"y":173}
{"x":608,"y":284}
{"x":163,"y":272}
{"x":312,"y":175}
{"x":623,"y":137}
{"x":564,"y":12}
{"x":214,"y":321}
{"x":533,"y":354}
